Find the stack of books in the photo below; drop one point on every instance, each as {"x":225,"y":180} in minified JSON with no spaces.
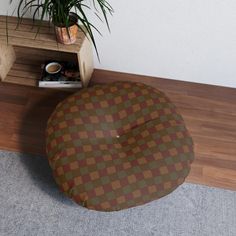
{"x":67,"y":77}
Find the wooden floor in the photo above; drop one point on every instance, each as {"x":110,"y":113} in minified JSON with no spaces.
{"x":209,"y":113}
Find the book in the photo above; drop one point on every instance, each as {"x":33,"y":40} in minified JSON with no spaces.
{"x":60,"y":84}
{"x":67,"y":77}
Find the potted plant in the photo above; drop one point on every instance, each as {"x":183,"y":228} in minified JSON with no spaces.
{"x":66,"y":15}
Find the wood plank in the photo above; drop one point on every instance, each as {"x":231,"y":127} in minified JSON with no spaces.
{"x":39,"y":56}
{"x":206,"y":104}
{"x":21,"y":80}
{"x":211,"y":130}
{"x":214,"y":176}
{"x":25,"y":36}
{"x":206,"y":160}
{"x":7,"y":58}
{"x":31,"y":31}
{"x":195,"y":174}
{"x":30,"y":68}
{"x":47,"y":37}
{"x":32,"y":75}
{"x":27,"y":69}
{"x":214,"y":118}
{"x":48,"y":41}
{"x":35,"y":43}
{"x":85,"y":60}
{"x":213,"y":148}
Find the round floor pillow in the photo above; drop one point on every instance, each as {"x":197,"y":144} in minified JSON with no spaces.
{"x":118,"y":145}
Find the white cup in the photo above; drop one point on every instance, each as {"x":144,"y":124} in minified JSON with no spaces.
{"x":53,"y":68}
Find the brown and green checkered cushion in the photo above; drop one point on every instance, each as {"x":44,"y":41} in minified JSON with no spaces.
{"x":117,"y":146}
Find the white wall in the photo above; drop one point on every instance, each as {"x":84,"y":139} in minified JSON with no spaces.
{"x":5,"y":7}
{"x":191,"y":40}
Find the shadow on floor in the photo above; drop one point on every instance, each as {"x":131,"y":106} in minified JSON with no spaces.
{"x":32,"y":140}
{"x":41,"y":174}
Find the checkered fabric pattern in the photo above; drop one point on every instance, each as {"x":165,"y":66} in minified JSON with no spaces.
{"x":117,"y":146}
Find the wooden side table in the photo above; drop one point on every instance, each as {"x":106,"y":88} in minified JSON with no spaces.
{"x":22,"y":51}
